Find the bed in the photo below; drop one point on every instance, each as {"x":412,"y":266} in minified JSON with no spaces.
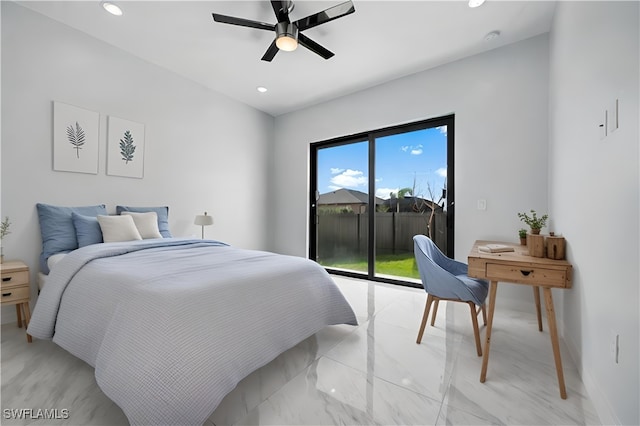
{"x":171,"y":325}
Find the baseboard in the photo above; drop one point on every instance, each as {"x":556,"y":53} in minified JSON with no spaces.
{"x":599,"y":399}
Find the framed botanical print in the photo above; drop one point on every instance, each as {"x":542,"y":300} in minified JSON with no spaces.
{"x":75,"y":139}
{"x":125,"y":148}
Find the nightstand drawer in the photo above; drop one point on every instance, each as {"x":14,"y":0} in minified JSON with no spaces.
{"x":15,"y":294}
{"x":527,"y":275}
{"x":10,"y":279}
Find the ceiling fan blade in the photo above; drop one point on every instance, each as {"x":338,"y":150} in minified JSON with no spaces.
{"x":330,"y":14}
{"x":271,"y":52}
{"x":281,"y":9}
{"x":314,"y":47}
{"x":242,"y":22}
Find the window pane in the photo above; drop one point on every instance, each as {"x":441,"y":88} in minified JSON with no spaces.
{"x":342,"y":222}
{"x":411,"y":172}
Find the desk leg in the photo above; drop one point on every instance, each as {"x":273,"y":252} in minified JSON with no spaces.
{"x":551,"y":319}
{"x":493,"y":288}
{"x":536,"y":296}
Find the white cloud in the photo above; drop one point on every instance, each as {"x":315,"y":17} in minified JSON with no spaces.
{"x":385,"y":193}
{"x":442,"y":171}
{"x":443,"y":129}
{"x":349,"y":179}
{"x":413,"y":150}
{"x":336,"y":170}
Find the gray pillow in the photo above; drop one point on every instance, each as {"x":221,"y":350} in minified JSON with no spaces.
{"x":162,"y":212}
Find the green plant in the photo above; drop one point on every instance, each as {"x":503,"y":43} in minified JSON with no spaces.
{"x":127,"y":147}
{"x":76,"y":137}
{"x":4,"y":227}
{"x":534,"y":221}
{"x":522,"y":233}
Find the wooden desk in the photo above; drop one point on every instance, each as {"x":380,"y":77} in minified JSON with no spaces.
{"x":519,"y":268}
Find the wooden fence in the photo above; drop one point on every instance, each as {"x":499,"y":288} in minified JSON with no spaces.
{"x":345,"y":235}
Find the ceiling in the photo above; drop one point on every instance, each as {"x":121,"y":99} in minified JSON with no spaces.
{"x":381,"y":41}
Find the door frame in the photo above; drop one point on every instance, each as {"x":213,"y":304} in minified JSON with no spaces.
{"x":371,"y":136}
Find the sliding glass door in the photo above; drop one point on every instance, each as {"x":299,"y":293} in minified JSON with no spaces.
{"x":372,"y":192}
{"x":342,"y":206}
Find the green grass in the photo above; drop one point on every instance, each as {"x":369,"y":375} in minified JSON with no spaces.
{"x":402,"y":265}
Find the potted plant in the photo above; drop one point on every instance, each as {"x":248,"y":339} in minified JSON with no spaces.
{"x":522,"y":233}
{"x":535,"y":223}
{"x":4,"y":231}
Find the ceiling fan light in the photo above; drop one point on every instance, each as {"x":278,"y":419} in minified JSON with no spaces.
{"x":286,"y":43}
{"x":286,"y":36}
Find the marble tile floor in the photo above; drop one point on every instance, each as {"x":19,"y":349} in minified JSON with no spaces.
{"x":374,"y":373}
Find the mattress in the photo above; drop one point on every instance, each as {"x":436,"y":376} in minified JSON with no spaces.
{"x":51,"y":263}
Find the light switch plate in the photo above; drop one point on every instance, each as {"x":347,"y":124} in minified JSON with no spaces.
{"x":612,"y":117}
{"x":482,"y":204}
{"x":602,"y":128}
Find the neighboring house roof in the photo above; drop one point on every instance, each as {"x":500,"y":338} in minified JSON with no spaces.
{"x":346,"y":196}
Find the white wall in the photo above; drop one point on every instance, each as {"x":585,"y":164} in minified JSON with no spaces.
{"x":499,"y":99}
{"x":594,"y":194}
{"x":203,"y":151}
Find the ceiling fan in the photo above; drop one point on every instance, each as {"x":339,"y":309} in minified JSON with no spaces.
{"x":289,"y":34}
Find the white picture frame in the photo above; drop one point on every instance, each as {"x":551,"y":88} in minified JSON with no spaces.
{"x":125,"y":148}
{"x":76,"y":139}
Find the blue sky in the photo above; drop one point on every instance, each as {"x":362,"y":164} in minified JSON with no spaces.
{"x":399,"y":158}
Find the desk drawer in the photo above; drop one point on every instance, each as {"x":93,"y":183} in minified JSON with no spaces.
{"x":527,"y":275}
{"x":14,"y":294}
{"x":10,"y":279}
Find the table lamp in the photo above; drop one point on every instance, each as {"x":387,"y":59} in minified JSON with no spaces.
{"x":203,"y":220}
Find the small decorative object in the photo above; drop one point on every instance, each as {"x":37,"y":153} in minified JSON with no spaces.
{"x":4,"y":231}
{"x":495,"y":248}
{"x":125,"y":156}
{"x":555,"y":246}
{"x":75,"y":139}
{"x":522,"y":233}
{"x":535,"y":223}
{"x":535,"y":244}
{"x":203,"y":220}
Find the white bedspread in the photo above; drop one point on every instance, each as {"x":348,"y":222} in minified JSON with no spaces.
{"x":171,"y":326}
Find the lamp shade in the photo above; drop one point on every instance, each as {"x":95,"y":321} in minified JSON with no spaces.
{"x":203,"y":220}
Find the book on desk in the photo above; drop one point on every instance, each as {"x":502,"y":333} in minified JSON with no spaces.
{"x":495,"y":248}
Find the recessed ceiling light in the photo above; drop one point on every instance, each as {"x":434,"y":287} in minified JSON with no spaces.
{"x":492,"y":35}
{"x":112,"y":8}
{"x":261,"y":89}
{"x":475,"y":3}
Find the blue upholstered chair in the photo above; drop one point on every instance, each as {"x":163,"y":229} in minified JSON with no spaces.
{"x":446,"y":279}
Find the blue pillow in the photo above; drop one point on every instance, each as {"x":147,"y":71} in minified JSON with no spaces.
{"x":162,"y":212}
{"x":57,"y":230}
{"x":88,"y":229}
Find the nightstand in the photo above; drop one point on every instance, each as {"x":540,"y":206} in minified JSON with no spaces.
{"x":16,"y":290}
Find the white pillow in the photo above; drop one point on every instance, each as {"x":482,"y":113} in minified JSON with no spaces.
{"x":147,"y":224}
{"x":118,"y":228}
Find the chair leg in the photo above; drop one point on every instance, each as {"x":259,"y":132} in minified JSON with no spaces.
{"x":425,"y":316}
{"x":484,"y":313}
{"x":435,"y":312}
{"x":476,"y":331}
